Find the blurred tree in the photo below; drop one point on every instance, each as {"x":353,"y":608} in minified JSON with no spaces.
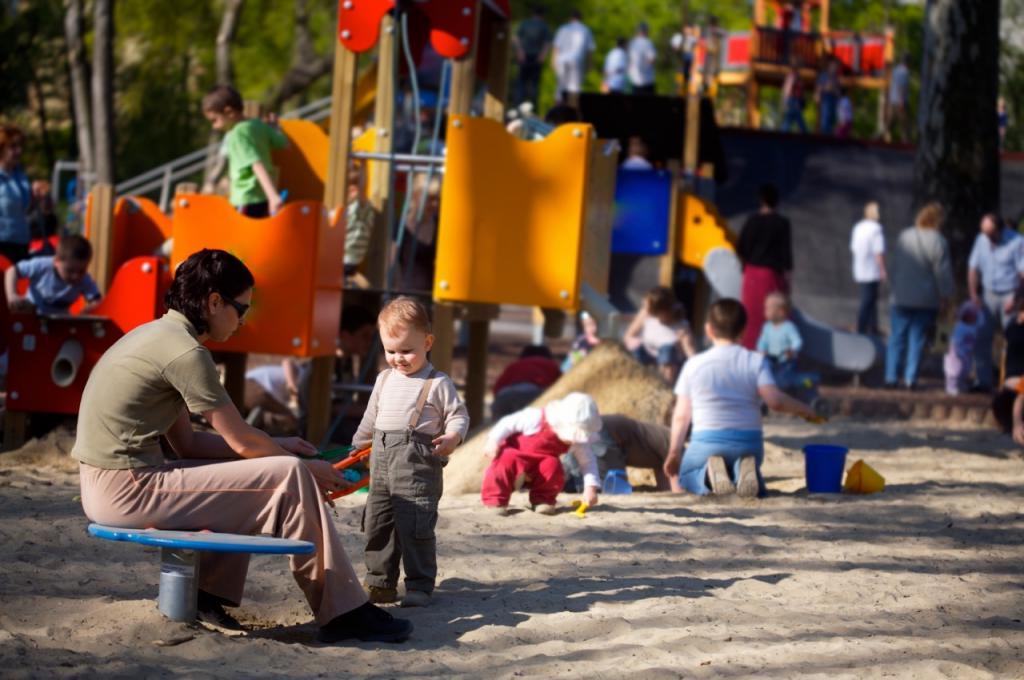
{"x":957,"y":159}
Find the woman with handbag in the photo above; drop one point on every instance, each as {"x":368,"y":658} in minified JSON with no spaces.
{"x":921,"y":278}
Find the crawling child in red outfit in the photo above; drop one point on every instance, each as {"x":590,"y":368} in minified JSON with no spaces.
{"x":527,"y":447}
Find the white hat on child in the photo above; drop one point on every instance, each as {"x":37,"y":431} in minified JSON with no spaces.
{"x":574,"y":418}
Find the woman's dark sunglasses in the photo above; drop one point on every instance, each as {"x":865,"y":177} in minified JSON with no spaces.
{"x":240,"y":308}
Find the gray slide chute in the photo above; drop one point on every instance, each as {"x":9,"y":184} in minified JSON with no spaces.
{"x":823,"y":344}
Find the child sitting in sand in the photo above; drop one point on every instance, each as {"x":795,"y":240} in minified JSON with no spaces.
{"x":584,"y":342}
{"x":414,"y":420}
{"x":660,"y":334}
{"x":720,"y":392}
{"x":527,"y":446}
{"x":957,"y":362}
{"x":780,"y":340}
{"x":54,"y":282}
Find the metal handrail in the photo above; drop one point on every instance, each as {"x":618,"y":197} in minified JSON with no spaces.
{"x":162,"y":177}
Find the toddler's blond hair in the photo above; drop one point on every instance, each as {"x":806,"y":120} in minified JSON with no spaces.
{"x":404,"y":312}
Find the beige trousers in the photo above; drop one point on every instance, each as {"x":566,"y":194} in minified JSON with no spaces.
{"x":275,"y":496}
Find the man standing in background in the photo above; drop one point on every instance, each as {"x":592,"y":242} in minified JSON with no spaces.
{"x":531,"y":45}
{"x":641,"y":61}
{"x":574,"y":43}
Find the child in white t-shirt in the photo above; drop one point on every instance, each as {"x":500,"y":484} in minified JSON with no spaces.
{"x":660,"y":334}
{"x":720,"y":392}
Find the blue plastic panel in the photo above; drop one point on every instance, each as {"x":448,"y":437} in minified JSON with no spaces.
{"x":642,"y":203}
{"x":204,"y":540}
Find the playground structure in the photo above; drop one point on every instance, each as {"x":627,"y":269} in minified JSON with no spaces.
{"x":525,"y":223}
{"x":784,"y":33}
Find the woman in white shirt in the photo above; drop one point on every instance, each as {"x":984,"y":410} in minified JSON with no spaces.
{"x":867,"y":244}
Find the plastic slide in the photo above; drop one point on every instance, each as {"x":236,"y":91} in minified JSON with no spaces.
{"x":706,"y":243}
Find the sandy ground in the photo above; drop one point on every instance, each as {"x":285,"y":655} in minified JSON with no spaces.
{"x":920,"y":581}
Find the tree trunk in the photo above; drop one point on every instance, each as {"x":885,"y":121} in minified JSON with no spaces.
{"x":306,"y":66}
{"x":103,"y":89}
{"x":957,"y":161}
{"x":225,"y":38}
{"x":79,"y":77}
{"x":215,"y":163}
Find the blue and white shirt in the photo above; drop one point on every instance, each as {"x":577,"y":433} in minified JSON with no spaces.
{"x":15,"y":198}
{"x":48,"y":292}
{"x":999,"y":264}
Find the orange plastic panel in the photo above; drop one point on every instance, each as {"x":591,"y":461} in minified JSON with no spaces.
{"x":136,"y":294}
{"x":512,"y":215}
{"x":139,"y":229}
{"x":296,"y":258}
{"x":302,"y":165}
{"x":701,"y":229}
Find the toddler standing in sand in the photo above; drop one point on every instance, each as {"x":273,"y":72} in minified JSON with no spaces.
{"x":720,"y":391}
{"x":414,"y":420}
{"x":527,"y":447}
{"x":660,"y":333}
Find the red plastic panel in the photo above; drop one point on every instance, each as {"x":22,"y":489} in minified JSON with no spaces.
{"x":450,"y":23}
{"x":737,"y":50}
{"x":135,"y":297}
{"x":359,"y":22}
{"x":35,"y":343}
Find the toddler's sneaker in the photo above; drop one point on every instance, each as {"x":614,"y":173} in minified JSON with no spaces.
{"x":381,"y":595}
{"x":416,"y":598}
{"x":746,"y":486}
{"x":500,"y":510}
{"x":545,"y":509}
{"x":718,"y":477}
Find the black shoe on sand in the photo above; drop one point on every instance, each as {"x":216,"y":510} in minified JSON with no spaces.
{"x":210,"y":609}
{"x":368,"y":623}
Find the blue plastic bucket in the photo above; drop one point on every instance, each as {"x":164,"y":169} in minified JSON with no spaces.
{"x":824,"y":465}
{"x":617,"y":482}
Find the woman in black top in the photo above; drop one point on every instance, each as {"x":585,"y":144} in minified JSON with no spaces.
{"x":766,"y":251}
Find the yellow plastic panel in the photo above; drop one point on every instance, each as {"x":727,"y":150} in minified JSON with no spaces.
{"x":512,"y":215}
{"x":296,"y":258}
{"x":701,"y":229}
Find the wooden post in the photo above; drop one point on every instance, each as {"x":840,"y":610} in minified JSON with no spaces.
{"x":102,"y":216}
{"x":380,"y":178}
{"x":343,"y":96}
{"x":667,"y":265}
{"x":15,"y":424}
{"x":692,"y":139}
{"x":463,"y":84}
{"x":479,"y":316}
{"x":753,"y":102}
{"x":234,"y":375}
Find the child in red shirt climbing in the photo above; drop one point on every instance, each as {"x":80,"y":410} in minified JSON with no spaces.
{"x":527,"y":447}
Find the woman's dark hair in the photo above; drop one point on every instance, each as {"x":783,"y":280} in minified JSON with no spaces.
{"x":205,"y":272}
{"x":768,"y":195}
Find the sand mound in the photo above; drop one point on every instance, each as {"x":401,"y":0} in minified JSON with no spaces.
{"x":608,"y":374}
{"x":51,"y":450}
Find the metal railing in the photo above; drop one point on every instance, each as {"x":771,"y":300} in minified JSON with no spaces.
{"x":162,"y":178}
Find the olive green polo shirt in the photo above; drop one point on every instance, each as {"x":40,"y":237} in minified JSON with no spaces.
{"x":138,"y":389}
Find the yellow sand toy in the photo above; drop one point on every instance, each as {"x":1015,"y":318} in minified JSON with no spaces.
{"x":580,"y":508}
{"x":864,"y":479}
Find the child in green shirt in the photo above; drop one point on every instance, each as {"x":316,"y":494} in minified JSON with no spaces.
{"x":247,"y":142}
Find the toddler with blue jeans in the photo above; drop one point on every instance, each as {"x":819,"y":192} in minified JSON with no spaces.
{"x":720,"y":391}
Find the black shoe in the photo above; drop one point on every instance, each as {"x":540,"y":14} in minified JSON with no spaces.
{"x":210,"y":609}
{"x":368,"y":623}
{"x":980,"y":389}
{"x":889,"y":386}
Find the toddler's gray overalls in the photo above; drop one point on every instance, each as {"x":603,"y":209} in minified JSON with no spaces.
{"x":401,"y":511}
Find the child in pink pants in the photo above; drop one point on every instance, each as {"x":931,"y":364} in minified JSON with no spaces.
{"x":527,"y":447}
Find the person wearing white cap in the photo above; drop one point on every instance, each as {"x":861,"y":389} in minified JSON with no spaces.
{"x":527,"y":446}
